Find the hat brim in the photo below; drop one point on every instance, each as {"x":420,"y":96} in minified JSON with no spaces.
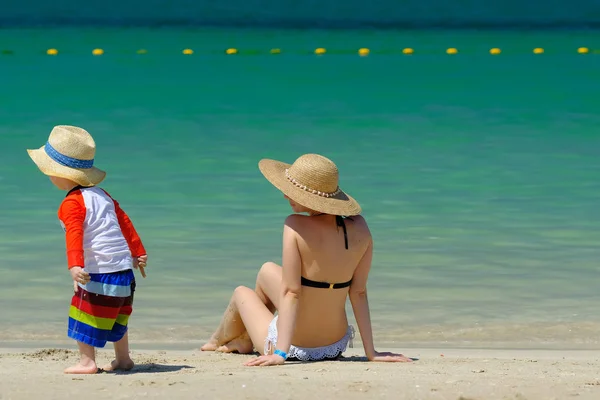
{"x":341,"y":204}
{"x":84,"y":177}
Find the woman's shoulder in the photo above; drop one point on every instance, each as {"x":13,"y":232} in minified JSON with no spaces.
{"x":360,"y":224}
{"x":358,"y":219}
{"x":297,"y":221}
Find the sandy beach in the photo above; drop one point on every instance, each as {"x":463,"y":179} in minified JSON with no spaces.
{"x":437,"y":374}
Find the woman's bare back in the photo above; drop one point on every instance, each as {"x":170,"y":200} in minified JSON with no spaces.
{"x":321,"y":318}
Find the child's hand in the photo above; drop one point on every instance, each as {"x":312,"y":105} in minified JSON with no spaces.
{"x":79,"y":275}
{"x":141,"y":263}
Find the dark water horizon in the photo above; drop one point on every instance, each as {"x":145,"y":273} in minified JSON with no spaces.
{"x":325,"y":14}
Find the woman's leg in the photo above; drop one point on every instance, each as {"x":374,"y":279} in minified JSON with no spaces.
{"x":268,"y":285}
{"x":246,"y":317}
{"x":231,"y":327}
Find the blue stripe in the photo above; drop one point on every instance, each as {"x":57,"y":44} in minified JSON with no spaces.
{"x":121,"y":278}
{"x":87,"y":334}
{"x":66,"y":160}
{"x":117,"y":333}
{"x":93,"y":336}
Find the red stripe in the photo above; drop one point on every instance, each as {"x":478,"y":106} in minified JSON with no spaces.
{"x":95,"y":310}
{"x":102,"y":300}
{"x":125,"y":310}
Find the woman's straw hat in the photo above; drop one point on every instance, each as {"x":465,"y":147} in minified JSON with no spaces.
{"x":312,"y":181}
{"x":69,"y":153}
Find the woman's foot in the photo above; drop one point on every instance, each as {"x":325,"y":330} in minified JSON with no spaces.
{"x":87,"y":368}
{"x":211,"y":345}
{"x":119,"y":365}
{"x":241,"y":345}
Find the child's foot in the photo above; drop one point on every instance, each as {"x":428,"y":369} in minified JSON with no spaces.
{"x":119,"y":365}
{"x":89,"y":368}
{"x":241,"y":345}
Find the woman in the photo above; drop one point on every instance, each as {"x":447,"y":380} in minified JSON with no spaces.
{"x":326,"y":257}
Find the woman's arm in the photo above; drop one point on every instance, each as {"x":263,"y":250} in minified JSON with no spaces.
{"x":290,"y":293}
{"x":360,"y":302}
{"x":360,"y":306}
{"x":290,"y":287}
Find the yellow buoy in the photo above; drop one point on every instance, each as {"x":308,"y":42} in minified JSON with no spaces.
{"x":320,"y":51}
{"x":495,"y":51}
{"x":363,"y":52}
{"x":408,"y":50}
{"x":142,"y":51}
{"x":52,"y":52}
{"x":275,"y":51}
{"x":187,"y":52}
{"x":231,"y":51}
{"x":451,"y":50}
{"x":97,"y":52}
{"x":583,"y":50}
{"x":538,"y":50}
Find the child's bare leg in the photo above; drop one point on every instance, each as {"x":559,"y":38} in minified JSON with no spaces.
{"x":122,"y":360}
{"x":87,"y":363}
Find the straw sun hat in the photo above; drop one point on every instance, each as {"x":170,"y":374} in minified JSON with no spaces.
{"x":312,"y":181}
{"x":69,"y":153}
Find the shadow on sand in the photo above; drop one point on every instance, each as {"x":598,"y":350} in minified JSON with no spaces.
{"x":362,"y":359}
{"x":148,"y":368}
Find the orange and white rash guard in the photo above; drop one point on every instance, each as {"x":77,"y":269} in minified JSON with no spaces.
{"x":100,"y":236}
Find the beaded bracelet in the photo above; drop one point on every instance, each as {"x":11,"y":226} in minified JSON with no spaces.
{"x":281,"y":354}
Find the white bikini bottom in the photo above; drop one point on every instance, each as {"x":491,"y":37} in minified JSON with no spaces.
{"x":310,"y":353}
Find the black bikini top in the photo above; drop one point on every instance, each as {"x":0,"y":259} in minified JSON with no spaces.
{"x":339,"y":221}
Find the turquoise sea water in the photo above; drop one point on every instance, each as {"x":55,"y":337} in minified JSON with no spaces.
{"x":478,"y":174}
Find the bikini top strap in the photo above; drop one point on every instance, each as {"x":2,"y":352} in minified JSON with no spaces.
{"x":339,"y":220}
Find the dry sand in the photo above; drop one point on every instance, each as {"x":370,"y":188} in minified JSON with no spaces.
{"x":438,"y":374}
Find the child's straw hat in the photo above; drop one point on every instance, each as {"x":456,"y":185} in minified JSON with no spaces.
{"x":69,"y":153}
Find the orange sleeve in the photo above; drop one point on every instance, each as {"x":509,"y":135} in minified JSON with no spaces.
{"x":72,"y":215}
{"x":133,"y":240}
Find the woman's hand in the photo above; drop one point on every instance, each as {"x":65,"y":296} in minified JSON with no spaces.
{"x":389,"y":357}
{"x":264,"y":361}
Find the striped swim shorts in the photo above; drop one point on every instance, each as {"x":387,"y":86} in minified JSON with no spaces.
{"x":101,"y":308}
